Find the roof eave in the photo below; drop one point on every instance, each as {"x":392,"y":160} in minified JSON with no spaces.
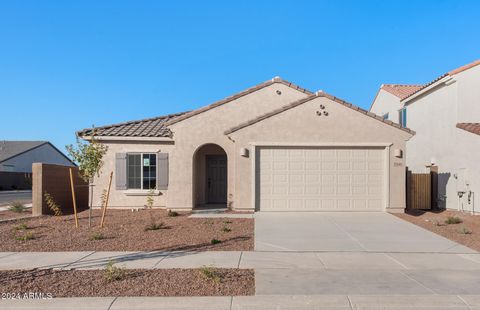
{"x":444,"y":79}
{"x":128,"y":138}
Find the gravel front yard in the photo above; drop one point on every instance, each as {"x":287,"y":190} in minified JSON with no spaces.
{"x":136,"y":282}
{"x":6,"y":215}
{"x":467,"y":232}
{"x":125,"y":231}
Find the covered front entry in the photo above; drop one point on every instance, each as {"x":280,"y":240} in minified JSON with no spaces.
{"x":320,"y":178}
{"x":210,"y":177}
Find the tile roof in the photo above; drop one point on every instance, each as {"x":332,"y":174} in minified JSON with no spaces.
{"x":400,"y":90}
{"x":311,"y":97}
{"x":150,"y":127}
{"x":470,"y":127}
{"x":238,"y":95}
{"x":9,"y":149}
{"x":450,"y":73}
{"x":158,"y":126}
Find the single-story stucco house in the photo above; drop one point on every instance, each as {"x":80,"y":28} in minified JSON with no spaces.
{"x":272,"y":147}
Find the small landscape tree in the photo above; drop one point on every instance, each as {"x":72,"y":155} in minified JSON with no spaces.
{"x":88,"y":156}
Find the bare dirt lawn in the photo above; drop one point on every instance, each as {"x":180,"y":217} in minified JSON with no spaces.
{"x":136,"y":282}
{"x":125,"y":231}
{"x":467,"y":232}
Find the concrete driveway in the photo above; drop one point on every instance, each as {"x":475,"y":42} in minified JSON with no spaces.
{"x":346,"y":232}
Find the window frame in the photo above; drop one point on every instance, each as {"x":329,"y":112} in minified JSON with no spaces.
{"x":402,"y":117}
{"x":141,"y":154}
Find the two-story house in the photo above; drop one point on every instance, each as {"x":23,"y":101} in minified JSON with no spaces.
{"x":445,"y":114}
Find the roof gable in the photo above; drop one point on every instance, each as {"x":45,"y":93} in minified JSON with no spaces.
{"x":450,"y":73}
{"x":10,"y":149}
{"x":158,"y":126}
{"x":311,"y":97}
{"x":236,"y":96}
{"x":400,"y":90}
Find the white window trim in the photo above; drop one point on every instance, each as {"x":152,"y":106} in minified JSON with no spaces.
{"x":141,"y":191}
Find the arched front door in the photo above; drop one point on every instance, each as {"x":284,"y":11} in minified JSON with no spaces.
{"x":210,"y":176}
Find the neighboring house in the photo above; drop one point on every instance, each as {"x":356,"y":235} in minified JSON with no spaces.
{"x":17,"y":157}
{"x":273,"y":147}
{"x":445,"y":114}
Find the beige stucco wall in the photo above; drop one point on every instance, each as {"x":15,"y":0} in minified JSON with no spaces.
{"x":302,"y":125}
{"x":209,"y":127}
{"x":385,"y":103}
{"x":127,"y":198}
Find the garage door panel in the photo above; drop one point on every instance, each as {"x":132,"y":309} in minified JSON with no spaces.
{"x":320,"y":179}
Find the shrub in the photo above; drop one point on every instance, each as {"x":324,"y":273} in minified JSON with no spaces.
{"x":465,"y":231}
{"x":437,"y":223}
{"x":103,"y":197}
{"x":226,"y":229}
{"x":113,"y":273}
{"x":52,"y":205}
{"x":172,"y":213}
{"x":97,"y":236}
{"x":215,"y":241}
{"x":453,"y":220}
{"x":25,"y":237}
{"x":22,"y":226}
{"x":155,"y":226}
{"x":17,"y":207}
{"x":210,"y":273}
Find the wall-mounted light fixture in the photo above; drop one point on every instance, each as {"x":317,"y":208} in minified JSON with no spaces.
{"x":244,"y":152}
{"x":398,"y":153}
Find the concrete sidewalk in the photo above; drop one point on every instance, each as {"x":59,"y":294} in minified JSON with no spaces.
{"x":348,"y":302}
{"x":279,"y":273}
{"x":247,"y":260}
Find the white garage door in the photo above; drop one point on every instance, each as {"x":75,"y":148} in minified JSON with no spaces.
{"x":320,"y":179}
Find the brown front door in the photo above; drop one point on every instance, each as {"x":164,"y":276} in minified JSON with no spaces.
{"x":217,"y":179}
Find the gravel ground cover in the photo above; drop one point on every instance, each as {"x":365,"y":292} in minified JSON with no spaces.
{"x":466,"y":232}
{"x":135,"y":282}
{"x":126,"y":231}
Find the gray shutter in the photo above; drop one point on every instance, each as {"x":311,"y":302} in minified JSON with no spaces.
{"x":120,"y":171}
{"x":162,"y":171}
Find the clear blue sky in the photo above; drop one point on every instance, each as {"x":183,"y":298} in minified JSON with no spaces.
{"x":65,"y":65}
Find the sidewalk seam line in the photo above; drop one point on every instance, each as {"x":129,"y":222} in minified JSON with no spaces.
{"x":320,"y":260}
{"x":349,"y":302}
{"x":231,"y":302}
{"x":418,"y":282}
{"x":111,"y":304}
{"x":347,"y":233}
{"x":396,"y":261}
{"x":464,"y":301}
{"x":79,"y":260}
{"x":161,"y":259}
{"x":239,"y":259}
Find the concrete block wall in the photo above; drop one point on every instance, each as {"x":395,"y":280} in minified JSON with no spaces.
{"x":55,"y":180}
